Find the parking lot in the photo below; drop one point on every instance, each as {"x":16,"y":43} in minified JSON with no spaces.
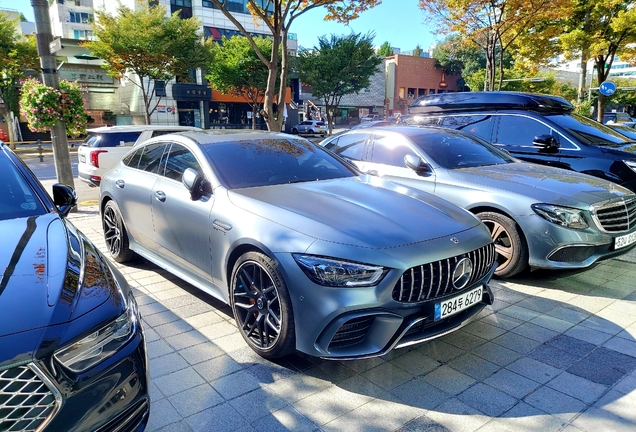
{"x":555,"y":352}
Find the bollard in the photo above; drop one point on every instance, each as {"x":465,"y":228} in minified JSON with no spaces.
{"x":40,"y":150}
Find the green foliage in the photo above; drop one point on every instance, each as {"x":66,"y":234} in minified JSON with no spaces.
{"x":42,"y":106}
{"x":457,"y":57}
{"x":149,"y":44}
{"x":417,"y":52}
{"x":385,"y":49}
{"x":339,"y":66}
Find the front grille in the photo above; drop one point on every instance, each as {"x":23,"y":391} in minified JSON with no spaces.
{"x":617,"y":216}
{"x":433,"y":280}
{"x":26,"y":402}
{"x":571,"y":254}
{"x":351,"y":332}
{"x":129,"y":420}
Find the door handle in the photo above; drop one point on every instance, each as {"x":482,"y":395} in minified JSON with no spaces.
{"x":373,"y":173}
{"x":160,"y":196}
{"x":120,"y":184}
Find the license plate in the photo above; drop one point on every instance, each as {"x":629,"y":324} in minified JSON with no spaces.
{"x":82,"y":158}
{"x":457,"y":304}
{"x":626,"y":240}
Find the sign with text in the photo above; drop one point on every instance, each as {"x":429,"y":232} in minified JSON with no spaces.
{"x":191,"y":92}
{"x":86,"y":76}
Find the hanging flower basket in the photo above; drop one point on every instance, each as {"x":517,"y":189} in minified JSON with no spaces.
{"x":44,"y":106}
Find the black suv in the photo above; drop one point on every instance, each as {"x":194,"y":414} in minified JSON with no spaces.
{"x":534,"y":128}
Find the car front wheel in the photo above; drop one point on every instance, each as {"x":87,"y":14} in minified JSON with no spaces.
{"x":295,"y":131}
{"x":115,"y":233}
{"x":262,"y":306}
{"x":512,"y":251}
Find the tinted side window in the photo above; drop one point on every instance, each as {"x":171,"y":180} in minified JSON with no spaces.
{"x":351,"y":145}
{"x":480,"y":125}
{"x":161,"y":132}
{"x":113,"y":139}
{"x":520,"y":131}
{"x":179,"y":159}
{"x":390,"y":150}
{"x":132,"y":159}
{"x":151,"y":157}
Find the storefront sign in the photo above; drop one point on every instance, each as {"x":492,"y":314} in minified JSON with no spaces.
{"x":161,"y":108}
{"x":191,"y":92}
{"x":86,"y":76}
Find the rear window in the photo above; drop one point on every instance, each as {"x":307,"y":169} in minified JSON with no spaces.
{"x":113,"y":139}
{"x":320,"y":123}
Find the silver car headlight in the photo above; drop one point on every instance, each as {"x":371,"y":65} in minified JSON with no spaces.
{"x":631,"y":164}
{"x":103,"y":343}
{"x":337,"y":273}
{"x":564,"y":216}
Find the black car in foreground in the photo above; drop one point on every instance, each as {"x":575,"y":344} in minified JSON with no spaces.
{"x":534,"y":128}
{"x":72,"y":351}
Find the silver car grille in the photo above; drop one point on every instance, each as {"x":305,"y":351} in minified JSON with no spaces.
{"x":27,"y":401}
{"x":618,"y":215}
{"x":433,"y":280}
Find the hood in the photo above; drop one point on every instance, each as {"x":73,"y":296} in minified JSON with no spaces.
{"x":42,"y":261}
{"x":543,"y":184}
{"x":619,"y":150}
{"x":357,"y":211}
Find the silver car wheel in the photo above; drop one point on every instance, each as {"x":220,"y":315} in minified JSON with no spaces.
{"x":261,"y":306}
{"x":512,"y":252}
{"x":115,"y":233}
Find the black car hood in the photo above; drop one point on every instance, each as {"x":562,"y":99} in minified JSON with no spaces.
{"x":49,"y":274}
{"x":618,"y":150}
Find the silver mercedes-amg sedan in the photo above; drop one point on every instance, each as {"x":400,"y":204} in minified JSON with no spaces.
{"x":310,"y":254}
{"x":539,"y":216}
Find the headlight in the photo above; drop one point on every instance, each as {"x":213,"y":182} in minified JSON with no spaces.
{"x":631,"y":164}
{"x":564,"y":216}
{"x":100,"y":345}
{"x":337,"y":273}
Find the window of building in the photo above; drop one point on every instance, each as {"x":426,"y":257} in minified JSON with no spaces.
{"x":80,"y":17}
{"x":411,"y":93}
{"x":421,"y":92}
{"x":402,"y":92}
{"x":160,"y":88}
{"x":83,"y":34}
{"x":184,"y":7}
{"x":431,"y":91}
{"x":218,"y":33}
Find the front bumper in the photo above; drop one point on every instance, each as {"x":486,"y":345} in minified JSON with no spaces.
{"x":555,"y":247}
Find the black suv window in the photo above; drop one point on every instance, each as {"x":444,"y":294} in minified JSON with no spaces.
{"x":151,"y":157}
{"x":588,"y":131}
{"x":480,"y":125}
{"x":390,"y":150}
{"x":519,"y":130}
{"x":350,"y":145}
{"x":113,"y":139}
{"x":179,"y":159}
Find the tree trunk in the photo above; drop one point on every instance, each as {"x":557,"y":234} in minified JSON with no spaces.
{"x":254,"y":112}
{"x":584,"y":54}
{"x":6,"y":115}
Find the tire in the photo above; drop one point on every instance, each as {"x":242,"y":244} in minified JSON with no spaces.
{"x":115,"y":234}
{"x":262,"y":306}
{"x":312,"y":132}
{"x":295,"y":131}
{"x":510,"y":244}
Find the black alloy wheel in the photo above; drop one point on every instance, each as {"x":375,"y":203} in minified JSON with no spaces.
{"x":262,"y":307}
{"x":115,"y":233}
{"x":510,"y":245}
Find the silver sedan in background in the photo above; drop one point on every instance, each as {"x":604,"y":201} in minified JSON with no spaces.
{"x":309,"y":253}
{"x":538,"y":216}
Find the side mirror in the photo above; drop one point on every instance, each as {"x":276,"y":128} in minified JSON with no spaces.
{"x":64,"y":198}
{"x":193,"y":181}
{"x":545,"y":141}
{"x":418,"y":165}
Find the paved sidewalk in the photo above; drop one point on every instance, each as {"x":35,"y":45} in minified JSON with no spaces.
{"x":555,"y":352}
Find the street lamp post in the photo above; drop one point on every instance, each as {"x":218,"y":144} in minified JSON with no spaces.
{"x":59,"y":142}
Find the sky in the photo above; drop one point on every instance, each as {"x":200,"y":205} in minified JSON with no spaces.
{"x":399,"y":22}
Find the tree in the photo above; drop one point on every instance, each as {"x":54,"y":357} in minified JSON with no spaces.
{"x":493,"y":25}
{"x":417,"y":52}
{"x":236,"y":69}
{"x":278,"y":16}
{"x":601,"y":30}
{"x":456,"y":56}
{"x":149,"y":44}
{"x":338,"y":66}
{"x":16,"y":56}
{"x":385,"y":49}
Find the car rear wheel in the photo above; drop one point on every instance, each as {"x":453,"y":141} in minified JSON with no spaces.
{"x":262,"y":307}
{"x":512,"y":251}
{"x":115,"y":233}
{"x":295,"y":131}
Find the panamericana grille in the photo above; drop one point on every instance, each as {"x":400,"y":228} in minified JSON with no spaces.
{"x":433,"y":280}
{"x":351,"y":332}
{"x":25,"y":400}
{"x":617,"y":216}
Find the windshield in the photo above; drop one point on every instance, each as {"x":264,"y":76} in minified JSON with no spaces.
{"x":451,"y":149}
{"x":266,"y":162}
{"x":627,"y":131}
{"x":17,"y":199}
{"x":588,"y":131}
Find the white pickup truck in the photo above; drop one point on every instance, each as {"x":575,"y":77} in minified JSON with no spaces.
{"x":104,"y":146}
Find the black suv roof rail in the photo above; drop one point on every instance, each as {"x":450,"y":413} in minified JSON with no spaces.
{"x":471,"y":101}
